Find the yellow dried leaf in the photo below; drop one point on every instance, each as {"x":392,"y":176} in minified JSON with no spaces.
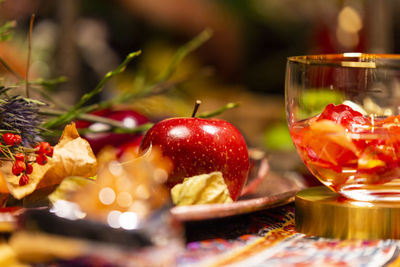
{"x":72,"y":156}
{"x":201,"y":189}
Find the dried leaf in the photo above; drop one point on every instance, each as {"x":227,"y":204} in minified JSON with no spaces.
{"x":201,"y":189}
{"x":72,"y":156}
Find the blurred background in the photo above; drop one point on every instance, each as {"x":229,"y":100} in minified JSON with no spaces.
{"x":244,"y":60}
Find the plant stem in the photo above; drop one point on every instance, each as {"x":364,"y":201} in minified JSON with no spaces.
{"x":86,"y":117}
{"x":218,"y":111}
{"x":119,"y":127}
{"x":182,"y":52}
{"x":154,"y":89}
{"x":29,"y":55}
{"x":74,"y":111}
{"x":138,"y":129}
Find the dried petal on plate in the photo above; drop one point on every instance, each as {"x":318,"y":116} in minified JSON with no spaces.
{"x":201,"y":189}
{"x":72,"y":156}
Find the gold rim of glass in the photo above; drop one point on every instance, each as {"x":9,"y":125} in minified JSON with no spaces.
{"x":355,"y":60}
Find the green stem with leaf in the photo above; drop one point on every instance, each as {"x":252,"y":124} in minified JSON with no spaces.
{"x":211,"y":114}
{"x":74,"y":111}
{"x":157,"y":88}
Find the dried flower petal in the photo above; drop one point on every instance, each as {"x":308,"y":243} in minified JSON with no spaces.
{"x":72,"y":157}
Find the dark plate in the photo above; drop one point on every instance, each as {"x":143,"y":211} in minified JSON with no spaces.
{"x":267,"y":190}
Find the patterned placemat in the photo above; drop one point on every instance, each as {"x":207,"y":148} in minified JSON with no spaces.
{"x":268,"y":238}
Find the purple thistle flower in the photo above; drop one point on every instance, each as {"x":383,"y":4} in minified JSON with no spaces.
{"x":20,"y":115}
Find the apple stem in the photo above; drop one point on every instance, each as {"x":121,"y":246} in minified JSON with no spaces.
{"x":196,"y":107}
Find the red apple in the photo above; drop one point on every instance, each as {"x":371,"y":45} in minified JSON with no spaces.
{"x":133,"y":144}
{"x":197,"y":146}
{"x":97,"y":141}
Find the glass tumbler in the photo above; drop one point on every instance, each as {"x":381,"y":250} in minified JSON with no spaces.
{"x":343,"y":114}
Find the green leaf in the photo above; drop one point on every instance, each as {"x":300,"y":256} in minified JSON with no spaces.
{"x":218,"y":111}
{"x":34,"y":101}
{"x":161,"y":85}
{"x":49,"y":83}
{"x":137,"y":129}
{"x":154,"y":89}
{"x":6,"y":30}
{"x":74,"y":111}
{"x":182,"y":52}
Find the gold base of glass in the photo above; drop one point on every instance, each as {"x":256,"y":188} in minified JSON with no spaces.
{"x":321,"y":212}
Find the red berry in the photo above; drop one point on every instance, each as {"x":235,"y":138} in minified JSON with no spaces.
{"x":41,"y":159}
{"x":18,"y":167}
{"x":43,"y":148}
{"x":19,"y":157}
{"x":17,"y":139}
{"x":50,"y":153}
{"x":9,"y":139}
{"x":29,"y":169}
{"x":24,"y":180}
